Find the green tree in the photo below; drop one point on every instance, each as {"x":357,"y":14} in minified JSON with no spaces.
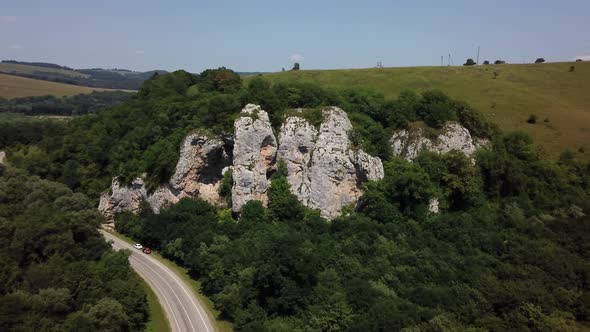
{"x":469,"y":62}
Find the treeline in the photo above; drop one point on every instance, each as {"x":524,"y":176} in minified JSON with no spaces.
{"x":508,"y":252}
{"x":18,"y":129}
{"x":144,"y":134}
{"x":73,"y":105}
{"x":57,"y":273}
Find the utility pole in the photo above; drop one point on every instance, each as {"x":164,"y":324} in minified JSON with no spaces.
{"x":477,"y":55}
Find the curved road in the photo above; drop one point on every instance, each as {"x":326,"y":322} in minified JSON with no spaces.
{"x":184,"y":311}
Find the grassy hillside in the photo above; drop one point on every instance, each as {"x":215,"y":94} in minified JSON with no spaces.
{"x":548,"y":90}
{"x":15,"y":86}
{"x":94,"y":77}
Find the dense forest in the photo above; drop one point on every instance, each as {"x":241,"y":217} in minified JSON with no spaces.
{"x":509,"y":250}
{"x":57,"y":273}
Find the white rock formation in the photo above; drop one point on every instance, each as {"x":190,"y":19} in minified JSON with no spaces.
{"x":434,"y":205}
{"x":407,"y":143}
{"x":200,"y":168}
{"x":324,"y":172}
{"x":122,"y":198}
{"x":254,"y":153}
{"x":297,"y":139}
{"x":198,"y":174}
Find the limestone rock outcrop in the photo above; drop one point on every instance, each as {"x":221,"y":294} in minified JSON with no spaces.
{"x":198,"y":173}
{"x":407,"y":143}
{"x":254,"y":153}
{"x":200,"y":167}
{"x":324,"y":171}
{"x":122,"y":198}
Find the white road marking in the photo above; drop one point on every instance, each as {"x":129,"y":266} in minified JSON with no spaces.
{"x":163,"y":296}
{"x":185,"y":291}
{"x":178,"y":282}
{"x":173,"y":292}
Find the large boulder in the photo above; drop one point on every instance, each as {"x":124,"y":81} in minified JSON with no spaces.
{"x":254,"y":154}
{"x":324,"y":171}
{"x":408,"y":143}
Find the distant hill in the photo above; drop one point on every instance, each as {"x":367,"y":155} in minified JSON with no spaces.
{"x":14,"y":86}
{"x":95,"y":77}
{"x":506,"y":94}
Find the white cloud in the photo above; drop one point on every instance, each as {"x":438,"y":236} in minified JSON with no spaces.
{"x":583,"y":57}
{"x":296,"y":57}
{"x":7,"y":19}
{"x":15,"y":47}
{"x":139,"y":52}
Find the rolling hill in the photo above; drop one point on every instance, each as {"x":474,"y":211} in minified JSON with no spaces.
{"x":506,"y":94}
{"x":15,"y":86}
{"x":94,"y":77}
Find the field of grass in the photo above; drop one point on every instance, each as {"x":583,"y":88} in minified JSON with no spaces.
{"x":15,"y":86}
{"x":158,"y":321}
{"x":558,"y":97}
{"x":14,"y":68}
{"x":221,"y":325}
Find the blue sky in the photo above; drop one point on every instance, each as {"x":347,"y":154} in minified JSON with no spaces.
{"x":267,"y":35}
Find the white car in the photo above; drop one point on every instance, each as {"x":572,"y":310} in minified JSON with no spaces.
{"x":138,"y":246}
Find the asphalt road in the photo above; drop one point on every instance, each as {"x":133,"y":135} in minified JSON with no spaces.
{"x":184,"y":311}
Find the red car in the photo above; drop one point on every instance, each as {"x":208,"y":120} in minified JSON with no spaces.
{"x":147,"y":251}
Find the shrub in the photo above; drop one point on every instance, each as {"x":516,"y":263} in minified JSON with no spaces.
{"x":539,"y":60}
{"x":487,"y":62}
{"x":295,"y":66}
{"x":435,"y":109}
{"x":532,"y":119}
{"x":499,"y":62}
{"x":572,"y":68}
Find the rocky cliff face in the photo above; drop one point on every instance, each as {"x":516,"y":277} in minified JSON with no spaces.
{"x":324,"y":171}
{"x":255,"y":147}
{"x":408,"y":143}
{"x":198,"y":173}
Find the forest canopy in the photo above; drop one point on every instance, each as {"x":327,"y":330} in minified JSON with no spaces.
{"x":57,"y":272}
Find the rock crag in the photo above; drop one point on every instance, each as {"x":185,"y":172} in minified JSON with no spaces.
{"x":255,"y":148}
{"x":198,"y":173}
{"x":324,"y":170}
{"x":408,"y":143}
